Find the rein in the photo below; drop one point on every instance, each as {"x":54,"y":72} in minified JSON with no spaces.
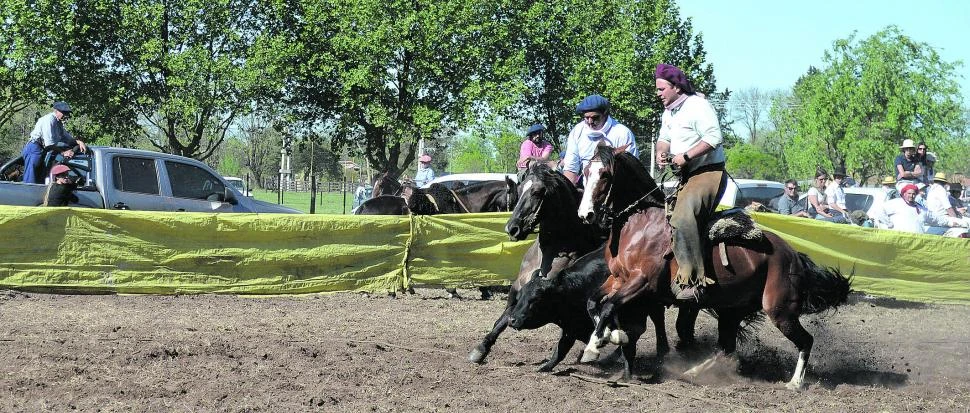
{"x":457,"y":198}
{"x":431,"y":198}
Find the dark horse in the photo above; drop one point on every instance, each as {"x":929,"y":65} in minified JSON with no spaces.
{"x":764,"y":276}
{"x":383,"y":205}
{"x":386,"y":184}
{"x":548,"y":200}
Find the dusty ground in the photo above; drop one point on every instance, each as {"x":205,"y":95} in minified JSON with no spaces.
{"x":352,"y":352}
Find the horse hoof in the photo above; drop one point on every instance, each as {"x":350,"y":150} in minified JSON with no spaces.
{"x":793,"y":386}
{"x":590,"y":355}
{"x":476,"y":356}
{"x":619,"y":337}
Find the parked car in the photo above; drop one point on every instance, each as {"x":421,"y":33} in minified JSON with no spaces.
{"x":120,"y":178}
{"x":742,"y":192}
{"x":239,"y":184}
{"x":453,"y":181}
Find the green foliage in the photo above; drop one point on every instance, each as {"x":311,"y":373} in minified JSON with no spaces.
{"x":745,"y":160}
{"x":870,"y":95}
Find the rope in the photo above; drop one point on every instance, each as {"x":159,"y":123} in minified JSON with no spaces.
{"x":457,"y":198}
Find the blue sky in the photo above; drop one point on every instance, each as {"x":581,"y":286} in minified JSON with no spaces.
{"x":769,"y":44}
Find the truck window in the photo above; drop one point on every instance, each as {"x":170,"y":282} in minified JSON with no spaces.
{"x":190,"y":181}
{"x":135,"y":175}
{"x":760,"y":194}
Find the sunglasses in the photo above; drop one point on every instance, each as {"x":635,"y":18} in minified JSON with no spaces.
{"x":792,"y":188}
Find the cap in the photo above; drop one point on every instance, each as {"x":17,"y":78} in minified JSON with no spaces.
{"x":593,"y":103}
{"x":62,"y":107}
{"x":425,"y":158}
{"x":59,"y":169}
{"x":535,"y":128}
{"x":907,"y":143}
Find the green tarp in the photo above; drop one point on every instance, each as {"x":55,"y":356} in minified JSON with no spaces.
{"x":97,"y":251}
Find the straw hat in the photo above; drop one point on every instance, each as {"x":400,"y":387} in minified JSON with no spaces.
{"x":889,"y":180}
{"x":939,"y":177}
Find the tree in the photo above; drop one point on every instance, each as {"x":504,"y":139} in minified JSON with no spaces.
{"x":750,"y":107}
{"x":27,"y":56}
{"x":745,"y":160}
{"x":869,"y":96}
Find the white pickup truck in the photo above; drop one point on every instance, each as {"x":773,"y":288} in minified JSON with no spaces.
{"x":120,"y":178}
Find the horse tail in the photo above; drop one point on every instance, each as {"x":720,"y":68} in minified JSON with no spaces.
{"x":823,"y":288}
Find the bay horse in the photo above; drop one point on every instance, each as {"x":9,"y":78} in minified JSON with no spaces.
{"x":768,"y":276}
{"x":386,"y":184}
{"x":547,"y":200}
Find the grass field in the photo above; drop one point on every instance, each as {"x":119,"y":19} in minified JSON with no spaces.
{"x":327,"y":202}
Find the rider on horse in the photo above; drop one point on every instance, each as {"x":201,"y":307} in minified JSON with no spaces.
{"x":596,"y":128}
{"x":690,"y":139}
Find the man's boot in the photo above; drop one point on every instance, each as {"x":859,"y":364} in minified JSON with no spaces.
{"x":687,"y":286}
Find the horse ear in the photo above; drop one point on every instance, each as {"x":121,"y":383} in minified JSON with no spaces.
{"x":620,"y":149}
{"x":509,"y":183}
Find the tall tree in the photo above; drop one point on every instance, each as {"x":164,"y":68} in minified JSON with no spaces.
{"x":868,"y":97}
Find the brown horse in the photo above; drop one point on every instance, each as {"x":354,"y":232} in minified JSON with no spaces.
{"x":764,"y":276}
{"x":386,"y":184}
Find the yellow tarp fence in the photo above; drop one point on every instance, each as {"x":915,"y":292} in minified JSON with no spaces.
{"x":98,"y":251}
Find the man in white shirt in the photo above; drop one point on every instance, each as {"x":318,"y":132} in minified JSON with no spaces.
{"x":904,"y":214}
{"x":48,"y":136}
{"x":596,"y":128}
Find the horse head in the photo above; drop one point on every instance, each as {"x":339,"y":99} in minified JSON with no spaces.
{"x":620,"y":182}
{"x":386,"y":184}
{"x":543,"y":194}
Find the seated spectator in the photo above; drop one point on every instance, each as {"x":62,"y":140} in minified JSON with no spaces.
{"x":956,"y":190}
{"x":835,"y":194}
{"x":818,"y":207}
{"x":889,"y":186}
{"x":60,"y":192}
{"x":788,"y":202}
{"x":534,"y":146}
{"x":937,"y":197}
{"x":904,"y":214}
{"x":909,"y":169}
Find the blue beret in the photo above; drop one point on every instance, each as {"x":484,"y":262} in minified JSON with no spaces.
{"x":535,"y":128}
{"x":62,"y":107}
{"x":593,"y":103}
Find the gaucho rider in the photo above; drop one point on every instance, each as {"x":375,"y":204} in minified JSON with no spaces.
{"x":597,"y":127}
{"x":690,"y":138}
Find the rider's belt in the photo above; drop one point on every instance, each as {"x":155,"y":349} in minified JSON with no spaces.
{"x":706,"y":168}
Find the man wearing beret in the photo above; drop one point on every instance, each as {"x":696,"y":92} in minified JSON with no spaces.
{"x":690,"y":139}
{"x":534,"y":146}
{"x":48,"y":135}
{"x":597,"y":127}
{"x":905,"y":214}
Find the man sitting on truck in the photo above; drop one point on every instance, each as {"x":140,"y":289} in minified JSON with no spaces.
{"x":61,"y":190}
{"x":48,"y":136}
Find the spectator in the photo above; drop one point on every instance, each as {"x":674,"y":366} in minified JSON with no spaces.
{"x":534,"y":146}
{"x":904,"y":214}
{"x":47,"y":137}
{"x":818,"y":205}
{"x":956,"y":191}
{"x":921,"y":193}
{"x":938,"y":198}
{"x":908,"y":168}
{"x":60,"y":192}
{"x":425,"y":174}
{"x":596,"y":127}
{"x":889,"y":186}
{"x":690,"y":139}
{"x":836,"y":195}
{"x":788,"y":203}
{"x":928,"y":161}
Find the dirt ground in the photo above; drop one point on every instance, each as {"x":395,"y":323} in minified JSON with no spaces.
{"x":354,"y":352}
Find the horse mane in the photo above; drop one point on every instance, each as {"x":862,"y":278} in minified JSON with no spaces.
{"x":553,"y":178}
{"x":627,"y":166}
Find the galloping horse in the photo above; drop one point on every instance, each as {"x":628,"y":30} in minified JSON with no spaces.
{"x":767,"y":275}
{"x":548,"y":200}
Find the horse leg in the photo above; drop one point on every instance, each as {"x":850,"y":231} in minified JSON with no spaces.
{"x":634,"y":330}
{"x":660,"y":329}
{"x":478,"y":354}
{"x":787,"y":322}
{"x":728,"y":323}
{"x":559,"y":352}
{"x":600,"y":336}
{"x":686,"y":319}
{"x":453,"y":293}
{"x":486,"y":292}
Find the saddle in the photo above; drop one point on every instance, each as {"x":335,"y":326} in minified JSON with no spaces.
{"x":734,"y":226}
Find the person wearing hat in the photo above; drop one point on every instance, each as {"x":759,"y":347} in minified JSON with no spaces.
{"x":908,"y":168}
{"x":889,"y":187}
{"x":48,"y":136}
{"x":690,"y":139}
{"x":836,"y":195}
{"x":905,"y":214}
{"x":956,"y":191}
{"x":425,"y":174}
{"x":60,"y":192}
{"x":534,"y":146}
{"x":596,"y":128}
{"x":938,"y":198}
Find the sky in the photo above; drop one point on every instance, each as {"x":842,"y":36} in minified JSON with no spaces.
{"x":769,"y":44}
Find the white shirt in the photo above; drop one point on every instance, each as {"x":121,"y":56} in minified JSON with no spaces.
{"x":937,"y":199}
{"x":835,"y":195}
{"x":692,"y":122}
{"x":582,"y":142}
{"x":49,"y":130}
{"x":896,"y":214}
{"x":818,"y":195}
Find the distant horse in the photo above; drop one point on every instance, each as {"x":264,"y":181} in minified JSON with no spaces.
{"x":488,"y":196}
{"x":386,"y":184}
{"x":383,"y":205}
{"x":765,"y":274}
{"x":548,"y":200}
